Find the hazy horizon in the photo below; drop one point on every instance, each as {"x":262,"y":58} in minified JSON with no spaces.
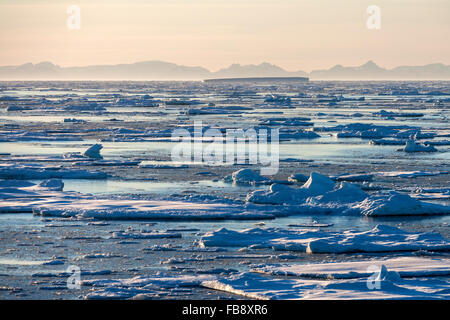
{"x":295,"y":35}
{"x":222,"y":67}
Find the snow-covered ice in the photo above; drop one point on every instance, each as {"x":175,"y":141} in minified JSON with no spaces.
{"x":382,"y":238}
{"x":404,"y":266}
{"x":92,"y":161}
{"x":255,"y":286}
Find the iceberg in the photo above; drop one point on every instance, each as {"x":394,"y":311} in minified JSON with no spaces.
{"x":317,"y":184}
{"x":412,"y":146}
{"x":93,"y":151}
{"x":28,"y":172}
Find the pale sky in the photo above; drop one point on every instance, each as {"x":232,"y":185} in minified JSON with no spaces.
{"x":294,"y":34}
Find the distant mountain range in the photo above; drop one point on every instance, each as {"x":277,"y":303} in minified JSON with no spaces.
{"x":371,"y":71}
{"x":159,"y":70}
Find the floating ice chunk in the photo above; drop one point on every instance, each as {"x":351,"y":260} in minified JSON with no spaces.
{"x":100,"y":256}
{"x":151,"y":165}
{"x":382,"y":238}
{"x":318,"y":196}
{"x":298,"y":178}
{"x":224,"y":237}
{"x":73,"y":120}
{"x":275,"y":98}
{"x":40,"y":172}
{"x":410,"y":174}
{"x":371,"y":131}
{"x":353,"y":177}
{"x":313,"y":224}
{"x":298,"y":134}
{"x":288,"y":122}
{"x":145,"y":235}
{"x":246,"y":177}
{"x":389,"y":142}
{"x":180,"y":102}
{"x":52,"y":184}
{"x":16,"y":108}
{"x":73,"y":155}
{"x":113,"y":163}
{"x":124,"y":209}
{"x":129,"y":288}
{"x":399,"y":204}
{"x":164,"y":247}
{"x":94,"y":151}
{"x":412,"y":146}
{"x":414,"y":134}
{"x":64,"y":274}
{"x":404,"y":266}
{"x":346,"y":193}
{"x":317,"y":184}
{"x":384,"y":113}
{"x":92,"y":106}
{"x":54,"y":262}
{"x":277,"y":194}
{"x":379,"y":239}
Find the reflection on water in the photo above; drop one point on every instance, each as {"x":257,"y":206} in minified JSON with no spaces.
{"x":152,"y":187}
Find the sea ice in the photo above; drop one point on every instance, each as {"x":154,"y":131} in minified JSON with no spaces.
{"x":320,"y":195}
{"x":317,"y":184}
{"x":123,"y":209}
{"x":391,"y":286}
{"x":412,"y":146}
{"x":246,"y":177}
{"x":398,"y":204}
{"x":382,"y":238}
{"x":28,"y":172}
{"x":93,"y":151}
{"x":404,"y":266}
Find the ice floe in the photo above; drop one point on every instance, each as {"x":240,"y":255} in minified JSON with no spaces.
{"x":123,"y":209}
{"x":410,"y":174}
{"x":386,"y":285}
{"x":412,"y":146}
{"x":404,"y":266}
{"x":320,"y":195}
{"x":382,"y":238}
{"x":93,"y":151}
{"x":129,"y":288}
{"x":398,"y":204}
{"x":246,"y":177}
{"x":372,"y":131}
{"x":28,"y":172}
{"x":317,"y":184}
